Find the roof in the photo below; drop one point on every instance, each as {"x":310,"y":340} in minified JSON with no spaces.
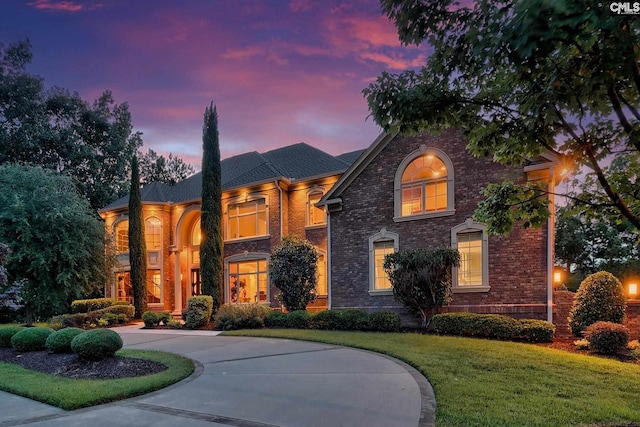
{"x":296,"y":162}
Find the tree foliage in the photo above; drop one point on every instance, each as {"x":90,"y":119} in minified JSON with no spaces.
{"x":211,"y":245}
{"x":10,"y":299}
{"x":58,"y":130}
{"x":168,"y":170}
{"x":293,"y":269}
{"x":56,"y":240}
{"x":519,"y":78}
{"x":137,"y":244}
{"x":421,"y":279}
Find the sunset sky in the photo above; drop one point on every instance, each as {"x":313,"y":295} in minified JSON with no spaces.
{"x":279,"y":71}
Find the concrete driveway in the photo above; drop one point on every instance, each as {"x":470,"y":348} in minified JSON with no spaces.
{"x":254,"y":382}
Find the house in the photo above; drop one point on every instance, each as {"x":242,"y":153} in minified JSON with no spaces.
{"x":409,"y":192}
{"x":403,"y":192}
{"x":265,"y":196}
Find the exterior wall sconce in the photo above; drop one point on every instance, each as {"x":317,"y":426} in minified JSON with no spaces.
{"x":557,"y":277}
{"x":633,"y":290}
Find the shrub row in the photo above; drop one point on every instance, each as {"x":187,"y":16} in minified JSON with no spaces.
{"x":494,"y":326}
{"x":343,"y":320}
{"x":7,"y":333}
{"x":95,"y":344}
{"x":87,"y":305}
{"x":241,"y":316}
{"x":118,"y":313}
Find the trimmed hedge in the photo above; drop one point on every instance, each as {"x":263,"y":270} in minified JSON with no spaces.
{"x":60,"y":341}
{"x":276,"y":319}
{"x":199,"y":310}
{"x":31,"y":339}
{"x":607,"y":337}
{"x":336,"y":320}
{"x":298,"y":319}
{"x":87,"y":305}
{"x":96,"y":344}
{"x":150,"y":319}
{"x":384,"y":321}
{"x":493,"y":326}
{"x":7,"y":333}
{"x":241,"y":316}
{"x":125,"y":309}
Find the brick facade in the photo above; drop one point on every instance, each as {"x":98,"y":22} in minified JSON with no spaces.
{"x":517,"y":262}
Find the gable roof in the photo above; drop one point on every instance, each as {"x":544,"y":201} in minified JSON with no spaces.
{"x":294,"y":162}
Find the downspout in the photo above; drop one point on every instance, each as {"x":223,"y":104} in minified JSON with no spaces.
{"x":326,"y":208}
{"x":277,"y":182}
{"x":550,"y":244}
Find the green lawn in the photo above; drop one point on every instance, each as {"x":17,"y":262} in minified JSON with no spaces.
{"x":68,"y":393}
{"x":494,"y":383}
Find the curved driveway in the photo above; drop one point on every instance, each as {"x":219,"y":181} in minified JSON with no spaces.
{"x":254,"y":382}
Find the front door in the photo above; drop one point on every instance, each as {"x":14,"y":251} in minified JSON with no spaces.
{"x":195,"y":282}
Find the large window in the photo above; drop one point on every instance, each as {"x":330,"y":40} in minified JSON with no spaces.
{"x":315,"y":215}
{"x":153,"y":233}
{"x":248,"y":281}
{"x":122,"y":236}
{"x":154,"y":287}
{"x":470,"y":239}
{"x":380,"y":245}
{"x":248,"y":219}
{"x":424,"y":185}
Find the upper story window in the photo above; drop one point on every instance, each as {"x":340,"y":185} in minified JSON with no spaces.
{"x":153,"y":233}
{"x":247,"y":219}
{"x":424,"y":185}
{"x":196,"y":234}
{"x":122,"y":236}
{"x":315,"y":215}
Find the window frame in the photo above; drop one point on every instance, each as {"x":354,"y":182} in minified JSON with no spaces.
{"x":423,"y":150}
{"x":247,"y":257}
{"x":382,"y":236}
{"x":310,"y":207}
{"x":239,"y":201}
{"x":116,"y":226}
{"x":470,"y":226}
{"x":322,"y":253}
{"x":147,"y":235}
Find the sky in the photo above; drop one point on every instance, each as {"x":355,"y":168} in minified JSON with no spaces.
{"x":280,"y":72}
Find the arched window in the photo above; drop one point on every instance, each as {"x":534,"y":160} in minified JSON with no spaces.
{"x":122,"y":236}
{"x":153,"y":233}
{"x":195,"y":234}
{"x":315,"y":215}
{"x":471,"y":240}
{"x":424,"y":185}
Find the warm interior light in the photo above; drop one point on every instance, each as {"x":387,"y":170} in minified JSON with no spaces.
{"x":557,"y":277}
{"x":633,"y":289}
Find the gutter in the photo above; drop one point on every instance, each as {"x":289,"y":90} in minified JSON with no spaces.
{"x":550,"y":244}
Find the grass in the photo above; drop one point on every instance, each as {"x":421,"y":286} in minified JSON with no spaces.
{"x":494,"y":383}
{"x":68,"y":393}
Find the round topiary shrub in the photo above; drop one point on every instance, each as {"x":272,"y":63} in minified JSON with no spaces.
{"x":96,"y":344}
{"x":150,"y":319}
{"x":599,"y":298}
{"x":607,"y":337}
{"x":6,"y":334}
{"x":31,"y":339}
{"x":60,"y":341}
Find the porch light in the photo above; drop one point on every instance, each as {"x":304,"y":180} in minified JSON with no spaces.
{"x":633,"y":290}
{"x":557,"y":277}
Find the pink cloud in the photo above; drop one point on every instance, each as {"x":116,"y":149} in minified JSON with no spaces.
{"x":300,"y":5}
{"x":65,"y":6}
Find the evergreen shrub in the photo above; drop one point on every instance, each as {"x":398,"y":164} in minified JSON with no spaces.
{"x":6,"y":334}
{"x":87,"y":305}
{"x":493,"y":326}
{"x":298,"y":319}
{"x":599,"y":298}
{"x":241,"y":316}
{"x":31,"y":339}
{"x":60,"y":341}
{"x":276,"y":319}
{"x":96,"y":344}
{"x":607,"y":337}
{"x":328,"y":320}
{"x":199,"y":309}
{"x":150,"y":319}
{"x":384,"y":321}
{"x":536,"y":330}
{"x":165,"y":317}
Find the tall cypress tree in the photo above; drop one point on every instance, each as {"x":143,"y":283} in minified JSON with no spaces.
{"x":137,"y":245}
{"x":211,"y":215}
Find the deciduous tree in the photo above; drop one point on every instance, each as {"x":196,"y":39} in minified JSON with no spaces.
{"x":519,"y":78}
{"x":168,"y":170}
{"x":211,"y":218}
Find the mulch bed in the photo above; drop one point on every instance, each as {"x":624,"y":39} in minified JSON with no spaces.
{"x":71,"y":366}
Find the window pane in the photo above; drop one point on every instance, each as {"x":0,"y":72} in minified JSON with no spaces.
{"x":411,"y":199}
{"x":195,"y":235}
{"x":247,"y":219}
{"x":154,"y":290}
{"x":430,"y":173}
{"x":248,"y":281}
{"x":470,"y":248}
{"x":247,"y":226}
{"x":380,"y":249}
{"x":122,"y":236}
{"x":316,"y":215}
{"x":436,"y":198}
{"x":153,"y":233}
{"x":123,"y":285}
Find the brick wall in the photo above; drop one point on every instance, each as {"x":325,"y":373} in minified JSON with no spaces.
{"x":517,"y":262}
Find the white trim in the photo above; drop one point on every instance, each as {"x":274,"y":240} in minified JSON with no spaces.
{"x":397,"y":185}
{"x":244,"y":198}
{"x":470,"y":226}
{"x":382,"y":236}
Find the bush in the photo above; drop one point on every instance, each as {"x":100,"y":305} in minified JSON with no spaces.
{"x":96,"y":344}
{"x":60,"y":341}
{"x":31,"y":339}
{"x":150,"y":319}
{"x":328,"y":320}
{"x":384,"y":321}
{"x":298,"y":319}
{"x":126,"y":309}
{"x":276,"y":319}
{"x":536,"y":330}
{"x":165,"y":317}
{"x":6,"y":334}
{"x":341,"y":320}
{"x":599,"y":298}
{"x":293,"y":270}
{"x":87,"y":305}
{"x":607,"y":337}
{"x":199,"y":311}
{"x":109,"y":318}
{"x":241,"y":316}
